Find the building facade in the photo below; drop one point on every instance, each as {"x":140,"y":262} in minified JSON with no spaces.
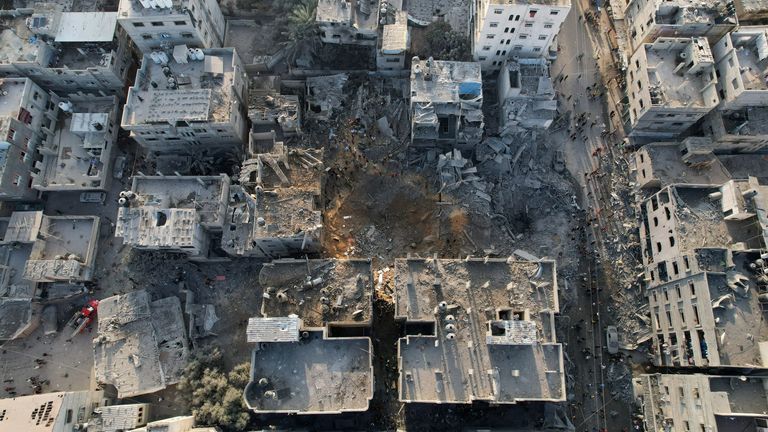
{"x":352,"y":22}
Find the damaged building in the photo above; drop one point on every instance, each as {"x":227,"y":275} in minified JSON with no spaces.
{"x":274,"y":211}
{"x":504,"y":29}
{"x":751,"y":10}
{"x":662,"y":164}
{"x":79,"y":154}
{"x":702,"y":402}
{"x":175,"y":213}
{"x":161,"y":25}
{"x":71,"y":53}
{"x":141,"y":346}
{"x":189,"y":102}
{"x":478,"y":330}
{"x":526,"y":95}
{"x":742,"y":130}
{"x":670,"y":86}
{"x":741,"y":60}
{"x":649,"y":20}
{"x":269,"y":108}
{"x":324,"y":95}
{"x":446,"y":103}
{"x":348,"y":21}
{"x":312,"y":352}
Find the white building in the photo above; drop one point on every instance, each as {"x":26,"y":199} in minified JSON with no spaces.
{"x":741,"y":60}
{"x":182,"y":106}
{"x":504,"y":29}
{"x":162,"y":24}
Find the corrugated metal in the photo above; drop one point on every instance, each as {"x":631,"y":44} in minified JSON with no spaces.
{"x":281,"y":329}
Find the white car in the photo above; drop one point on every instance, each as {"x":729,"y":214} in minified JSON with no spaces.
{"x":612,"y":339}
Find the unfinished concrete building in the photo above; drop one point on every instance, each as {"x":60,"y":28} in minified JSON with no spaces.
{"x":161,"y":25}
{"x":702,"y":402}
{"x":670,"y":86}
{"x":478,"y":330}
{"x":708,"y":318}
{"x":189,"y":102}
{"x":526,"y":95}
{"x":71,"y":53}
{"x":681,"y":225}
{"x":446,"y":103}
{"x":663,"y":164}
{"x":394,"y":43}
{"x":26,"y":119}
{"x":141,"y":345}
{"x":742,"y":130}
{"x":751,"y":10}
{"x":268,"y":108}
{"x":348,"y":21}
{"x":49,"y":412}
{"x":505,"y":29}
{"x":741,"y":60}
{"x":649,"y":20}
{"x":79,"y":155}
{"x":312,"y":352}
{"x":174,"y":213}
{"x":274,"y":211}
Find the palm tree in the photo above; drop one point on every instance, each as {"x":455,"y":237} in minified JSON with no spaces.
{"x":302,"y":28}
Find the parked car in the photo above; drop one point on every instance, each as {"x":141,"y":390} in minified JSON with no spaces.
{"x":93,"y":197}
{"x":612,"y":339}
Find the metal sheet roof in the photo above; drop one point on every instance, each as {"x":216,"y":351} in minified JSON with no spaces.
{"x":86,"y":27}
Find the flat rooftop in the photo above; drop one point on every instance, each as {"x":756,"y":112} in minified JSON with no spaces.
{"x":753,"y":68}
{"x":445,"y":81}
{"x":40,"y":412}
{"x":478,"y":329}
{"x":674,"y":89}
{"x":668,"y":167}
{"x":204,"y":194}
{"x":454,"y":12}
{"x":363,"y":14}
{"x":749,"y":121}
{"x":141,"y":345}
{"x":681,"y":12}
{"x":317,"y":375}
{"x":319,"y":291}
{"x":133,"y":9}
{"x":394,"y":37}
{"x":196,"y":91}
{"x":11,"y":95}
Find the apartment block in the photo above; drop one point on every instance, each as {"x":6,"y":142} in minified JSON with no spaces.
{"x":670,"y":86}
{"x":743,"y":130}
{"x":189,"y":102}
{"x":71,"y":53}
{"x":49,"y":412}
{"x":163,"y":24}
{"x":716,"y":403}
{"x":27,"y":118}
{"x":315,"y":318}
{"x":662,"y":164}
{"x":79,"y":155}
{"x":176,"y":213}
{"x":741,"y":59}
{"x":478,"y":329}
{"x":518,"y":28}
{"x":353,"y":22}
{"x":648,"y":20}
{"x":446,"y":103}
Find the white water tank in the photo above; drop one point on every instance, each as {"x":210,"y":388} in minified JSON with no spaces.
{"x":65,"y":106}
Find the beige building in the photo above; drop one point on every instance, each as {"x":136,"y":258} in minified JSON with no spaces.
{"x":741,"y":60}
{"x":446,"y":103}
{"x":79,"y":154}
{"x":526,"y":95}
{"x":743,"y":130}
{"x":312,"y":354}
{"x":670,"y":86}
{"x":702,"y":402}
{"x":163,"y":24}
{"x":174,"y":213}
{"x":648,"y":20}
{"x":71,"y":53}
{"x":186,"y":104}
{"x":505,"y":29}
{"x":394,"y":43}
{"x":49,"y":412}
{"x":478,"y":330}
{"x":354,"y":22}
{"x":26,"y":119}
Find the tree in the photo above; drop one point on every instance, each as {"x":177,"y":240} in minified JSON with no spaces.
{"x":443,"y":43}
{"x":301,"y":32}
{"x":215,"y":396}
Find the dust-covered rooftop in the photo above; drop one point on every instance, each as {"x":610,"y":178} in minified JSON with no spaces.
{"x":439,"y":81}
{"x":362,"y":14}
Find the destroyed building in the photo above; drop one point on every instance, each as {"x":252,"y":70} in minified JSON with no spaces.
{"x":751,"y":10}
{"x":176,"y":213}
{"x":274,"y":211}
{"x":741,"y":60}
{"x":141,"y":345}
{"x":394,"y":43}
{"x":649,"y":20}
{"x":79,"y":154}
{"x":670,"y":86}
{"x":267,"y":107}
{"x":189,"y":102}
{"x":71,"y":53}
{"x":163,"y":24}
{"x":49,"y":412}
{"x":324,"y":95}
{"x":446,"y":103}
{"x":506,"y":29}
{"x":478,"y":330}
{"x":312,"y":352}
{"x":526,"y":95}
{"x":348,"y":21}
{"x":702,"y":402}
{"x":742,"y":130}
{"x":682,"y":224}
{"x":26,"y":118}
